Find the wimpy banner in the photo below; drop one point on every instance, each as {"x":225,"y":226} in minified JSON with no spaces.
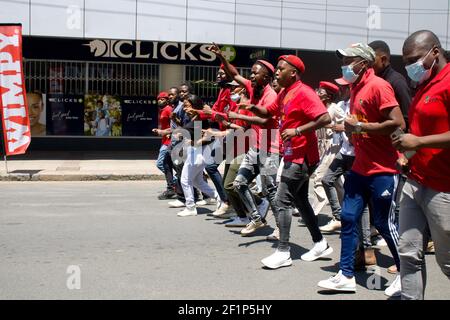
{"x":13,"y":104}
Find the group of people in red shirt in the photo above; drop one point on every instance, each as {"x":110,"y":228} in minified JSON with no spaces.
{"x":265,"y":128}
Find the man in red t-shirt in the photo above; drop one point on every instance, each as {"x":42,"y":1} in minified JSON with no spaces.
{"x":164,"y":131}
{"x":263,"y":157}
{"x":301,"y":112}
{"x":424,"y":205}
{"x":237,"y":146}
{"x":375,"y":114}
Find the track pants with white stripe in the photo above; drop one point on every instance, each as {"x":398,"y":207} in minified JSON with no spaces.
{"x":380,"y":190}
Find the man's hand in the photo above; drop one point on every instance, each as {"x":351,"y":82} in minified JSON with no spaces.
{"x":245,"y":106}
{"x":219,"y":118}
{"x":191,"y":112}
{"x":350,"y":123}
{"x":288,"y":134}
{"x":207,"y":109}
{"x":157,"y":131}
{"x":207,"y":133}
{"x":406,"y":142}
{"x":173,"y":117}
{"x":402,"y":164}
{"x":233,"y":115}
{"x":338,"y":128}
{"x":215,"y":48}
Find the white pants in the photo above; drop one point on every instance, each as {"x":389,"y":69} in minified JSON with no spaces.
{"x":192,"y":176}
{"x":319,"y":197}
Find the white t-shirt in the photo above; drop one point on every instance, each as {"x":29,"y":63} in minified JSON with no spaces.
{"x":346,"y":149}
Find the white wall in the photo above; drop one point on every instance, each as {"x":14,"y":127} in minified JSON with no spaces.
{"x":318,"y":24}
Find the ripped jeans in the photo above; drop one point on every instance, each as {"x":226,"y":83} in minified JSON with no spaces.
{"x":255,"y":162}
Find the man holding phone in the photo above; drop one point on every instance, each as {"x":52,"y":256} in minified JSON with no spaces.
{"x":375,"y":115}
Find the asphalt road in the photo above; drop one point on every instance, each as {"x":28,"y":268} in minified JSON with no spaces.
{"x":115,"y":240}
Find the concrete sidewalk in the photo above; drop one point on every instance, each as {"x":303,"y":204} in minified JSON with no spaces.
{"x":81,"y":166}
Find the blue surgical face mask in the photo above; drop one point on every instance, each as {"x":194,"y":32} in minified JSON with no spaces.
{"x":417,"y":72}
{"x":348,"y":74}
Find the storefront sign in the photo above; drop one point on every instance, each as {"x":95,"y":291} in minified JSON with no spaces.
{"x":13,"y":106}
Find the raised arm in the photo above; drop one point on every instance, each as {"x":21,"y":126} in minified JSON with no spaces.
{"x":228,"y":67}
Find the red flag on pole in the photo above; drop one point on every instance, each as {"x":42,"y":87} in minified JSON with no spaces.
{"x":13,"y":105}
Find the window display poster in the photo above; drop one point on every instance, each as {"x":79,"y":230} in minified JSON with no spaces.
{"x":102,"y":116}
{"x":65,"y":114}
{"x":37,"y":113}
{"x":139,"y":116}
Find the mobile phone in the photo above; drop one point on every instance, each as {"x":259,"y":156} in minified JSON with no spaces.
{"x":397,"y":133}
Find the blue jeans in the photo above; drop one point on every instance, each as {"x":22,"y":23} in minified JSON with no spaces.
{"x":213,"y":172}
{"x":380,"y":189}
{"x":216,"y":178}
{"x":164,"y":163}
{"x":255,"y":163}
{"x":162,"y":154}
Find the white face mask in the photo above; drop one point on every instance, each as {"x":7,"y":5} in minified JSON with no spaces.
{"x":235,"y":97}
{"x":417,"y":72}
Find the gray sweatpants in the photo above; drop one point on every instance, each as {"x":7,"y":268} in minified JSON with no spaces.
{"x":422,"y":208}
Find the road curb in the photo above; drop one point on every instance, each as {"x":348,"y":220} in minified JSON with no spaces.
{"x":79,"y":177}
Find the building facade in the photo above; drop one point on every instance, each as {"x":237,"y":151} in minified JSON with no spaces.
{"x":100,"y":63}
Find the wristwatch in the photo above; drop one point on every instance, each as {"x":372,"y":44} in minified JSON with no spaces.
{"x":298,"y":132}
{"x":358,"y":127}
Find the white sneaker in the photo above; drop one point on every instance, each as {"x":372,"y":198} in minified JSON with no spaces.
{"x":176,"y":204}
{"x":187,"y":212}
{"x":238,"y":222}
{"x":263,"y":208}
{"x":381,"y":243}
{"x":395,"y":289}
{"x":275,"y":235}
{"x":277,"y":260}
{"x":222,"y":211}
{"x":339,"y":282}
{"x":332,"y":225}
{"x":207,"y":202}
{"x":251,"y":227}
{"x":320,"y":249}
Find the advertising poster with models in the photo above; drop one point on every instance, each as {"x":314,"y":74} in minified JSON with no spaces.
{"x":140,"y":116}
{"x":37,"y":113}
{"x":65,"y":114}
{"x":102,"y":116}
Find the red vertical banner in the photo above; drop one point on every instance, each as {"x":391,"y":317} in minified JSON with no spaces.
{"x":13,"y":104}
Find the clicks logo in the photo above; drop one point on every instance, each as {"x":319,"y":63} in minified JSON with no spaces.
{"x":98,"y":48}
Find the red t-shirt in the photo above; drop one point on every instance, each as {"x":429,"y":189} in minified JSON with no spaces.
{"x":246,"y":126}
{"x":164,"y":123}
{"x":267,"y":133}
{"x":222,"y":105}
{"x":429,"y":114}
{"x":296,"y":106}
{"x":374,"y":153}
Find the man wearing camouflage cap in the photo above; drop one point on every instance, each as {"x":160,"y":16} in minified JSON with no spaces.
{"x":374,"y":115}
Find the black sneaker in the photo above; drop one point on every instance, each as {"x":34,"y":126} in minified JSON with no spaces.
{"x":166,"y":195}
